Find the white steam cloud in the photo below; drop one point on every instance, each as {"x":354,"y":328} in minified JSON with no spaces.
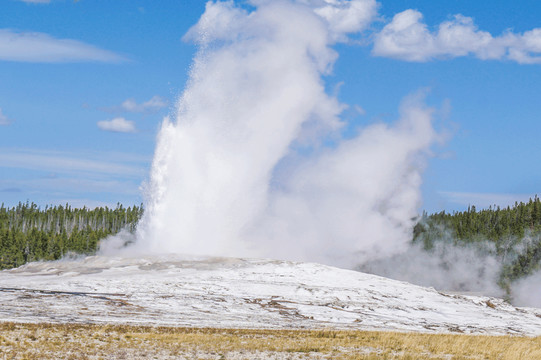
{"x":527,"y":291}
{"x":254,"y":163}
{"x":445,"y":267}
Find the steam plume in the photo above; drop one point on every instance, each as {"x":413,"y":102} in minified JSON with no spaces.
{"x":254,"y":164}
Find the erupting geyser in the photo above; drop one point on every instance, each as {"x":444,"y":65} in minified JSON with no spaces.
{"x":255,"y":164}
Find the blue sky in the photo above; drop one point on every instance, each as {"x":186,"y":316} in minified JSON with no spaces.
{"x":85,"y":84}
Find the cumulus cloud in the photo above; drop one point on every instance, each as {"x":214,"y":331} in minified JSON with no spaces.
{"x":154,"y":104}
{"x":3,"y":118}
{"x":406,"y":37}
{"x":43,"y":48}
{"x":347,"y":16}
{"x":118,"y":124}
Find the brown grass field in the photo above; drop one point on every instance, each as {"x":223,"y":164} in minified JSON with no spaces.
{"x":53,"y":341}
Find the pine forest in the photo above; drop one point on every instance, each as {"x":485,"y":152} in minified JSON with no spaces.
{"x":28,"y":233}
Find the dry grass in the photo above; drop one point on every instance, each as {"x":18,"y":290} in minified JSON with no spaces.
{"x":48,"y":341}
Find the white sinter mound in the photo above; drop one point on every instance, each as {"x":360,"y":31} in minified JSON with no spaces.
{"x":243,"y":293}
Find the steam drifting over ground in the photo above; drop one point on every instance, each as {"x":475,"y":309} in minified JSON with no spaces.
{"x":255,"y":162}
{"x":446,"y":267}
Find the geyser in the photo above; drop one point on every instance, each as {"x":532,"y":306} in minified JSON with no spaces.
{"x":256,"y":163}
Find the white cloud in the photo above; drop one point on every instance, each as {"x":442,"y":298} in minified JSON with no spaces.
{"x":90,"y":165}
{"x":4,"y":119}
{"x":406,"y":37}
{"x":347,"y":16}
{"x":359,"y":109}
{"x":118,"y":124}
{"x":154,"y":104}
{"x":43,"y":48}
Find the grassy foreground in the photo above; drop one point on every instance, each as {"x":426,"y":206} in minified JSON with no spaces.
{"x":48,"y":341}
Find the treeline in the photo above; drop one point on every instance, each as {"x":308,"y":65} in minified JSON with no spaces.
{"x":29,"y":233}
{"x":511,"y":234}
